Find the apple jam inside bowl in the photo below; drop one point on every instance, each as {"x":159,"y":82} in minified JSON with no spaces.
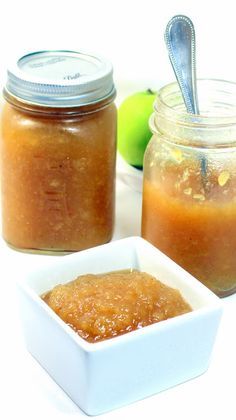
{"x":103,"y":306}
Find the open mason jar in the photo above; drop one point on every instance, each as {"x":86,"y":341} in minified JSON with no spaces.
{"x":58,"y":152}
{"x":189,"y":188}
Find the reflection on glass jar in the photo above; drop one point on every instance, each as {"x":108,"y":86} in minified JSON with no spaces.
{"x":189,"y":189}
{"x":58,"y":154}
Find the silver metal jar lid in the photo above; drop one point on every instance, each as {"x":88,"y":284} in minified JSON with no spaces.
{"x":61,"y":79}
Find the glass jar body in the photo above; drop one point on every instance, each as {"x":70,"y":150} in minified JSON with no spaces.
{"x":58,"y":175}
{"x":189,"y":192}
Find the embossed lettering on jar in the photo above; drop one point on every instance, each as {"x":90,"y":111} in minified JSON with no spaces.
{"x":58,"y":152}
{"x":189,"y":190}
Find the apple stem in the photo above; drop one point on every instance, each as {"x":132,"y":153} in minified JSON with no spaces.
{"x":150,"y":91}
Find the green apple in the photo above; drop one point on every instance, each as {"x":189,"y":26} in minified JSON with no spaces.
{"x":133,"y":129}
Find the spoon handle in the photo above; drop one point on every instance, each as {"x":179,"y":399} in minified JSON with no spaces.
{"x":180,"y":42}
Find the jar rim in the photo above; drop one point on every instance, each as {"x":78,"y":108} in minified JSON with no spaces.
{"x":54,"y":112}
{"x":204,"y":119}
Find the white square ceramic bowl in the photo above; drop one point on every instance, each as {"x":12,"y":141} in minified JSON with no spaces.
{"x":106,"y":375}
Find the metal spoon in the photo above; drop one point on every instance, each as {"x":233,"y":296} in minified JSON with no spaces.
{"x":181,"y":46}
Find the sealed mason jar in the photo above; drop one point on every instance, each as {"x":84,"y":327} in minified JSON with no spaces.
{"x":189,"y":188}
{"x":58,"y":152}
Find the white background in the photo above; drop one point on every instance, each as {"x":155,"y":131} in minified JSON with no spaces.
{"x":130,"y":34}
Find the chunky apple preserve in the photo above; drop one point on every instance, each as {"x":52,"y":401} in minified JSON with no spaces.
{"x":58,"y":152}
{"x":194,"y":229}
{"x":189,"y":190}
{"x":103,"y":306}
{"x":58,"y":179}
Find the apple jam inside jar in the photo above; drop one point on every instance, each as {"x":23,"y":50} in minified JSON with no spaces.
{"x":189,"y":189}
{"x":58,"y":152}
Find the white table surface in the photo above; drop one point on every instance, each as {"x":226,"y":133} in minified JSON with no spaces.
{"x":27,"y":392}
